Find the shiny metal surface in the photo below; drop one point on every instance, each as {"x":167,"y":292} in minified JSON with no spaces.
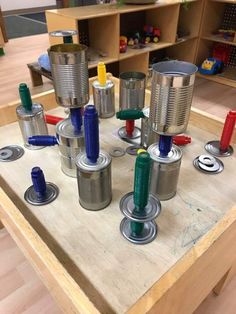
{"x":94,"y":181}
{"x":31,"y":123}
{"x":150,"y":212}
{"x":51,"y":194}
{"x":104,"y":99}
{"x":164,"y":172}
{"x":123,"y":134}
{"x":208,"y":164}
{"x":133,"y":150}
{"x":132,"y":90}
{"x":148,"y":234}
{"x":148,"y":136}
{"x":11,"y":153}
{"x":213,"y":148}
{"x":117,"y":151}
{"x":69,"y":64}
{"x":63,"y":33}
{"x":171,"y":96}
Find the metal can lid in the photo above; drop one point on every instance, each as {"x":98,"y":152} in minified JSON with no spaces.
{"x":109,"y":85}
{"x":36,"y":109}
{"x":11,"y":153}
{"x":174,"y":155}
{"x":83,"y":163}
{"x":65,"y":129}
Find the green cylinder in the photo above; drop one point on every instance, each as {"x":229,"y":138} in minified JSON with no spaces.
{"x":25,"y":96}
{"x":68,"y":40}
{"x":129,"y":114}
{"x":136,"y":227}
{"x":141,"y":180}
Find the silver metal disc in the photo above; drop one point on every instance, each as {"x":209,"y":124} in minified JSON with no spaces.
{"x":51,"y":194}
{"x":133,"y":150}
{"x":213,"y":147}
{"x":150,"y":212}
{"x":148,"y":234}
{"x":117,"y":152}
{"x":11,"y":153}
{"x":63,"y":33}
{"x":123,"y":134}
{"x":208,"y":164}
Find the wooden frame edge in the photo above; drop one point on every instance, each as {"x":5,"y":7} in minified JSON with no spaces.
{"x":63,"y":288}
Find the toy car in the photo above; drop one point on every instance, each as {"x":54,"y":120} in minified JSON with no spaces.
{"x":211,"y":66}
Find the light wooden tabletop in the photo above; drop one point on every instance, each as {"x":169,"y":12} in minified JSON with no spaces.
{"x":114,"y":273}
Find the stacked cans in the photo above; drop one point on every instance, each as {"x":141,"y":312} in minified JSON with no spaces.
{"x":171,"y":98}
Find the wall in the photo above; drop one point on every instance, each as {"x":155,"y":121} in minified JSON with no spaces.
{"x":8,"y":5}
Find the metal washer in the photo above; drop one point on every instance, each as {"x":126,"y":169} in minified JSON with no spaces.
{"x":213,"y":167}
{"x":133,"y":150}
{"x":123,"y":134}
{"x":51,"y":194}
{"x":11,"y":153}
{"x":213,"y":148}
{"x":117,"y":152}
{"x":149,"y":232}
{"x":150,"y":212}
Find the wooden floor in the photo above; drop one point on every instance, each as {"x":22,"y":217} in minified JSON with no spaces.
{"x":21,"y":291}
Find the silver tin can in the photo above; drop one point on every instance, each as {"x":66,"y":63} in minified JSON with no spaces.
{"x":171,"y":96}
{"x":104,"y":99}
{"x":164,"y":172}
{"x":94,"y":181}
{"x":31,"y":123}
{"x":148,"y":136}
{"x":132,"y":90}
{"x":69,"y":66}
{"x":70,"y":145}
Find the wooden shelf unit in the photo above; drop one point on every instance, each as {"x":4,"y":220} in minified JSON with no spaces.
{"x":211,"y":22}
{"x":101,"y":26}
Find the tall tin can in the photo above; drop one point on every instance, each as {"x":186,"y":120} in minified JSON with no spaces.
{"x":31,"y":122}
{"x":132,"y":90}
{"x":94,"y":181}
{"x":70,"y":145}
{"x":164,"y":172}
{"x":171,"y":96}
{"x":148,"y":136}
{"x":104,"y":98}
{"x":69,"y":66}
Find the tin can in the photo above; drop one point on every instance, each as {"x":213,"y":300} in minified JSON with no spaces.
{"x":69,"y":66}
{"x":164,"y":172}
{"x":31,"y":123}
{"x":70,"y":145}
{"x":148,"y":136}
{"x":104,"y":99}
{"x":132,"y":90}
{"x":94,"y":181}
{"x":171,"y":96}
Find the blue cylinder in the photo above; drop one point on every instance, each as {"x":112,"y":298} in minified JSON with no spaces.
{"x":165,"y":144}
{"x":91,"y":133}
{"x":42,"y":140}
{"x":39,"y":182}
{"x":76,"y":119}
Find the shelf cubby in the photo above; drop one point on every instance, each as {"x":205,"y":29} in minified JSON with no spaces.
{"x":137,"y":63}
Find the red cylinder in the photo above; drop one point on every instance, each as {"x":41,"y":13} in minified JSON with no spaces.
{"x":129,"y":127}
{"x":181,"y":140}
{"x":52,"y":119}
{"x":227,"y":130}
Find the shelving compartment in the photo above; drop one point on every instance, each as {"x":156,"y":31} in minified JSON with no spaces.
{"x":189,"y":20}
{"x":219,"y":16}
{"x":164,"y":18}
{"x":101,"y":35}
{"x":228,"y":76}
{"x":138,"y":63}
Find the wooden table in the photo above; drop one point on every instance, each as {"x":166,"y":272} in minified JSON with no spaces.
{"x":36,"y":73}
{"x":81,"y":256}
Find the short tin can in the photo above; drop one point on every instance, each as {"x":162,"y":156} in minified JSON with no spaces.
{"x":31,"y":122}
{"x":94,"y":181}
{"x":148,"y":136}
{"x":70,"y":145}
{"x":104,"y":99}
{"x":164,"y":172}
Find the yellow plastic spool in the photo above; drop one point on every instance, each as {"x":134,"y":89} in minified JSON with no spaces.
{"x":141,"y":150}
{"x":102,"y":74}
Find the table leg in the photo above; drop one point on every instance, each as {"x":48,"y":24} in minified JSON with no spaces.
{"x":36,"y":78}
{"x":225,"y":280}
